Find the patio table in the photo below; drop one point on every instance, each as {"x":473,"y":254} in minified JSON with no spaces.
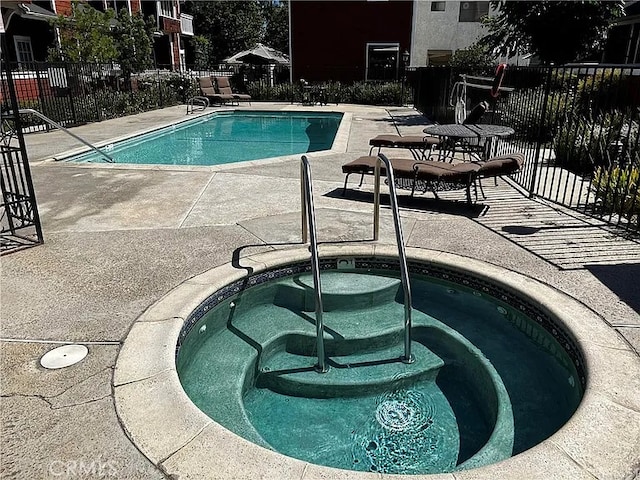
{"x":469,"y":137}
{"x":312,"y":94}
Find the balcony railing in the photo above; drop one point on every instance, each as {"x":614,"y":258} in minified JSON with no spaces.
{"x":186,"y":24}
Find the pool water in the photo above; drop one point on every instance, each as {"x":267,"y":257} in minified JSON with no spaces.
{"x":226,"y":137}
{"x":488,"y":381}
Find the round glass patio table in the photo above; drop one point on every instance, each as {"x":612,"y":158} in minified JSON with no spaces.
{"x":468,"y":138}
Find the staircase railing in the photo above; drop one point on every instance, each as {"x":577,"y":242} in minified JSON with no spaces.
{"x":404,"y":272}
{"x":309,"y":226}
{"x":57,"y":125}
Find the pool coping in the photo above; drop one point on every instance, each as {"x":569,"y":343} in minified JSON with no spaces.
{"x":600,"y":440}
{"x":339,"y":145}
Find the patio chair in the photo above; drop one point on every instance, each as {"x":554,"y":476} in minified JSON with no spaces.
{"x":418,"y":145}
{"x":422,"y":175}
{"x":207,"y":90}
{"x":498,"y":166}
{"x":476,"y":113}
{"x":438,"y":176}
{"x":224,"y":87}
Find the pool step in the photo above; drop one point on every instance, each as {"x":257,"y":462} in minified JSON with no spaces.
{"x":348,"y":375}
{"x":340,"y":291}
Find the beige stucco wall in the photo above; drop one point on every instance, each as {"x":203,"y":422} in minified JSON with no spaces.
{"x":440,"y":30}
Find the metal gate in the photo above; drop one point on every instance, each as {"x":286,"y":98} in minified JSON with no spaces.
{"x":19,"y":219}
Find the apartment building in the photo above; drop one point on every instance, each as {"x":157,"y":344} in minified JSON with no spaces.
{"x":29,"y":34}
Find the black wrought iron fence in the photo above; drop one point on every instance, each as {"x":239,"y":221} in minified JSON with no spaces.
{"x":577,"y":125}
{"x":19,"y":218}
{"x":74,"y":94}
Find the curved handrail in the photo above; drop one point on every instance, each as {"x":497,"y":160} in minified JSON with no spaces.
{"x":404,"y":272}
{"x":57,"y":125}
{"x":310,"y":217}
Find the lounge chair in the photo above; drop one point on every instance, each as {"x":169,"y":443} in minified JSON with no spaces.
{"x":224,"y":87}
{"x":418,"y":145}
{"x":437,"y":176}
{"x":498,"y":166}
{"x":424,"y":175}
{"x":207,"y":90}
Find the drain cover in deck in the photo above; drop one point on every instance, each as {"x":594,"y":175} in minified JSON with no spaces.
{"x":64,"y":356}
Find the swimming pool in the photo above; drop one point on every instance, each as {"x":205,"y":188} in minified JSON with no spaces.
{"x":226,"y":137}
{"x":493,"y":374}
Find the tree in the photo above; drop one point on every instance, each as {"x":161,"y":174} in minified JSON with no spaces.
{"x":556,"y":31}
{"x":85,"y":36}
{"x":474,"y":60}
{"x":229,"y":26}
{"x":88,"y":35}
{"x":133,"y":41}
{"x":276,"y":15}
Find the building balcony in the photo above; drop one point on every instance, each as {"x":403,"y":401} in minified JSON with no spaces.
{"x":169,"y":25}
{"x":186,"y":24}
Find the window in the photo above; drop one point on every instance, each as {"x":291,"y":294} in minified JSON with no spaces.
{"x":97,"y":4}
{"x":438,"y":57}
{"x":24,"y":52}
{"x":166,"y":8}
{"x":438,"y":6}
{"x":382,"y":61}
{"x":473,"y":11}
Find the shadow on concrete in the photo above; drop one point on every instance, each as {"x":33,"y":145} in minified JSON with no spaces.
{"x":621,"y":279}
{"x":450,"y":207}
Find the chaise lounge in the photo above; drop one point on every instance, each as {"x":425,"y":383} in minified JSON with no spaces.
{"x":420,"y":146}
{"x":224,"y":87}
{"x":437,"y":176}
{"x":208,"y":90}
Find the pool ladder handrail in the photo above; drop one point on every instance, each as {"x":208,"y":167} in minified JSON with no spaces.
{"x":24,"y":111}
{"x":309,"y":227}
{"x":402,"y":256}
{"x":309,"y":230}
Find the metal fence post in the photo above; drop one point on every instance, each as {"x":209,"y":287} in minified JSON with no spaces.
{"x":543,"y":114}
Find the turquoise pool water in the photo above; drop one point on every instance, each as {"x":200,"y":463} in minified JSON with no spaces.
{"x":226,"y":137}
{"x":492,"y":375}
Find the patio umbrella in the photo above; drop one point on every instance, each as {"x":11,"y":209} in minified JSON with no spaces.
{"x":259,"y":55}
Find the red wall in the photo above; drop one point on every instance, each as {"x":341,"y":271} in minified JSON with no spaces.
{"x":63,"y":7}
{"x":28,"y":88}
{"x":329,"y":38}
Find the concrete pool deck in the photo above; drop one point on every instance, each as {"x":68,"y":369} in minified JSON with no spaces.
{"x":117,"y":239}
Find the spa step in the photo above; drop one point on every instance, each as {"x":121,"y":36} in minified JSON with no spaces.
{"x":340,"y":291}
{"x":354,"y":374}
{"x":346,"y":332}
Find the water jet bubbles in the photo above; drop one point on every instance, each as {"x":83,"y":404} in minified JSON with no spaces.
{"x":202,"y":329}
{"x":502,"y":310}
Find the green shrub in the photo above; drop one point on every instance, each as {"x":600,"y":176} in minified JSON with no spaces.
{"x":599,"y":91}
{"x":373,"y":93}
{"x":617,"y":190}
{"x":262,"y":92}
{"x":562,"y":81}
{"x":363,"y":93}
{"x":522,"y":113}
{"x":582,"y":145}
{"x":184,"y":87}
